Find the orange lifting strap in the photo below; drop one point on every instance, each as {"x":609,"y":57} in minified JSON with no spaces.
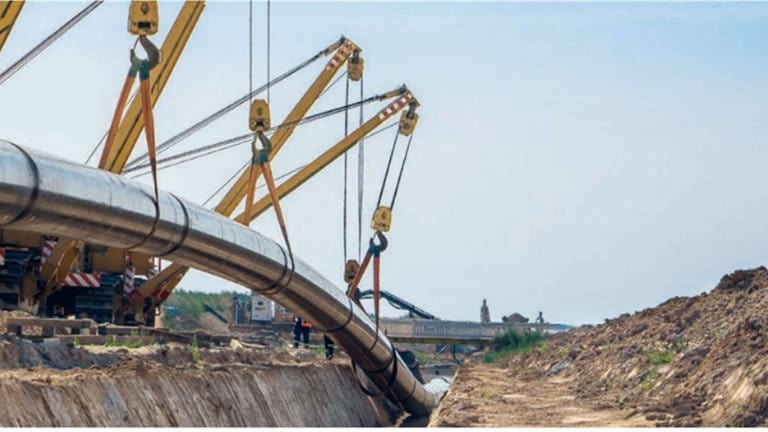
{"x":140,"y":67}
{"x":374,"y":251}
{"x":259,"y":122}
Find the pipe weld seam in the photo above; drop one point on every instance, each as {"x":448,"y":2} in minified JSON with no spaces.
{"x":154,"y":226}
{"x":184,"y":230}
{"x":276,"y":287}
{"x":385,"y":367}
{"x":375,"y":340}
{"x":410,"y":394}
{"x":390,"y":381}
{"x":35,"y":187}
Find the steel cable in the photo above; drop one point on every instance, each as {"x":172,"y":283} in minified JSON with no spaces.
{"x":169,"y":143}
{"x":34,"y":52}
{"x":238,"y":140}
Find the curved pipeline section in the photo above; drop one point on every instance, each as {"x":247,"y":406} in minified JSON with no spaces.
{"x":43,"y":194}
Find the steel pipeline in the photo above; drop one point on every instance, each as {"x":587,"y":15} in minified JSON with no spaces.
{"x":41,"y":193}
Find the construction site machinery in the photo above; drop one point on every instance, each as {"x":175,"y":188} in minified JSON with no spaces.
{"x":68,"y":203}
{"x":9,"y":12}
{"x":157,"y":290}
{"x":164,"y":284}
{"x":88,"y":279}
{"x":399,"y":303}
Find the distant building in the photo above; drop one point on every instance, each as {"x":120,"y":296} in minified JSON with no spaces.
{"x":485,"y":314}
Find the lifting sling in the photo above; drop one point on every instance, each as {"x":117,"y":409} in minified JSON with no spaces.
{"x":374,"y":251}
{"x":140,"y":67}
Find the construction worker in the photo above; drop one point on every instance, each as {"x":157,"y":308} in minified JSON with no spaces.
{"x":301,"y":329}
{"x":329,"y":347}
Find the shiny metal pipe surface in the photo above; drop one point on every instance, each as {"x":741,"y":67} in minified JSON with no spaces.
{"x":43,"y":194}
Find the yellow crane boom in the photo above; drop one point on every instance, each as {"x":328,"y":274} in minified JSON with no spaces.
{"x":64,"y":255}
{"x":334,"y":152}
{"x":166,"y":281}
{"x":133,"y":122}
{"x":238,"y":191}
{"x":9,"y":11}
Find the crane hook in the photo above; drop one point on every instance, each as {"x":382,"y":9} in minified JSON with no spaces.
{"x":153,"y":54}
{"x":381,"y":246}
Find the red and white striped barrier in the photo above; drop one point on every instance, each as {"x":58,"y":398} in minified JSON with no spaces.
{"x":128,"y":280}
{"x":153,"y":271}
{"x":2,"y":256}
{"x":84,"y":280}
{"x":48,"y":246}
{"x":341,"y":55}
{"x":395,"y":106}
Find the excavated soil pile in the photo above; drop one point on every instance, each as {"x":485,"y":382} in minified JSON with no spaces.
{"x":692,"y":361}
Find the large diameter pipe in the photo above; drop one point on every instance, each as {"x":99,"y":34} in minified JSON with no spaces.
{"x":40,"y":193}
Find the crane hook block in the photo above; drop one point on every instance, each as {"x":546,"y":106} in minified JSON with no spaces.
{"x":408,"y":120}
{"x":143,"y":18}
{"x":382,"y":219}
{"x":259,"y":119}
{"x":355,"y":66}
{"x":350,"y":270}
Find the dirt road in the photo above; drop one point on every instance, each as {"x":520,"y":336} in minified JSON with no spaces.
{"x":484,"y":395}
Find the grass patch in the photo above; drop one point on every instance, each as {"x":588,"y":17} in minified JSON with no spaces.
{"x":192,"y":302}
{"x":194,"y":350}
{"x":542,"y":347}
{"x":721,"y":333}
{"x":657,"y":357}
{"x":649,"y":381}
{"x":513,"y":342}
{"x":424,"y":357}
{"x":134,"y":343}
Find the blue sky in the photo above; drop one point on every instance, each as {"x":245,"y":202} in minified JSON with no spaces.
{"x":584,"y":160}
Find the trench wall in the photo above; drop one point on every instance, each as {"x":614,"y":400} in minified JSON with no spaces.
{"x":137,"y":395}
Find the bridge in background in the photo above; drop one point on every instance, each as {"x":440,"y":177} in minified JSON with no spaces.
{"x":454,"y":332}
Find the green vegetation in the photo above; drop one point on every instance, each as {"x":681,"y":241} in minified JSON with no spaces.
{"x":191,"y":302}
{"x":649,"y":381}
{"x":485,"y":393}
{"x":542,"y":347}
{"x":658,"y":357}
{"x":424,"y":357}
{"x":169,"y":322}
{"x":195,"y":351}
{"x":135,"y":342}
{"x":513,"y":342}
{"x":681,"y":343}
{"x":721,"y":333}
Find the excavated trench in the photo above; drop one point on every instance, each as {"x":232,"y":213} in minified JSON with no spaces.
{"x":46,"y":386}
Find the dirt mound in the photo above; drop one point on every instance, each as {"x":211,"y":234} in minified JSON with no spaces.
{"x":699,"y":360}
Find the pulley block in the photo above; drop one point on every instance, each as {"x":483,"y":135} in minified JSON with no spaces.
{"x":355,"y":66}
{"x":382,"y":219}
{"x":408,"y":120}
{"x":350,"y":270}
{"x":259,"y":119}
{"x":143,"y":17}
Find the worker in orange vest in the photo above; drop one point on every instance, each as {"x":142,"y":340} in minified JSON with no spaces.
{"x":301,"y":329}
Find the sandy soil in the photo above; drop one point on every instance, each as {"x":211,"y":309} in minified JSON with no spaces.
{"x":691,"y":361}
{"x":484,"y":395}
